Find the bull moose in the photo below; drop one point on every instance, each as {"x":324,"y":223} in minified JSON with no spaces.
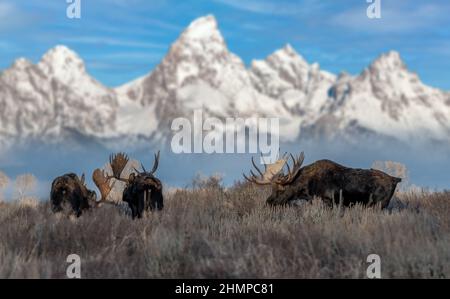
{"x":143,"y":191}
{"x":69,"y":189}
{"x":332,"y":182}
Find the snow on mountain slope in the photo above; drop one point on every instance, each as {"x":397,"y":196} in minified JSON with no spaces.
{"x":55,"y":95}
{"x":285,"y":75}
{"x":389,"y":100}
{"x":200,"y":73}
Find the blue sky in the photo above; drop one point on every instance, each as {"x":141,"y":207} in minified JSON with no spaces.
{"x":121,"y":40}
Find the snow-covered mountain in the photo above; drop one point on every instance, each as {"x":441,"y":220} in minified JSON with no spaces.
{"x":199,"y":72}
{"x":54,"y":98}
{"x":300,"y":87}
{"x":386,"y":99}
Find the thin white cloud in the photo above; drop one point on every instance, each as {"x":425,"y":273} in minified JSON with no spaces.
{"x":394,"y":19}
{"x":7,"y":46}
{"x":6,"y":9}
{"x":265,"y":7}
{"x":253,"y":27}
{"x":440,"y":48}
{"x":140,"y":56}
{"x":163,"y":25}
{"x":11,"y":17}
{"x":98,"y":40}
{"x":126,"y":60}
{"x":144,"y":9}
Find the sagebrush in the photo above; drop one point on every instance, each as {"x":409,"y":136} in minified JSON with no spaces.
{"x":216,"y":232}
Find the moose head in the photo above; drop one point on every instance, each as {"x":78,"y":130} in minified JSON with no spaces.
{"x":71,"y":190}
{"x":143,"y":191}
{"x":275,"y":176}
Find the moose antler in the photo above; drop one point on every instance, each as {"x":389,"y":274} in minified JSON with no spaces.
{"x":286,"y":179}
{"x":155,"y":165}
{"x":270,"y":171}
{"x":273,"y":172}
{"x":101,"y":179}
{"x":118,"y":163}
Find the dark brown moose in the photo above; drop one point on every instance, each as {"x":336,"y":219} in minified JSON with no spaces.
{"x":333,"y":183}
{"x":71,"y":190}
{"x":143,"y":191}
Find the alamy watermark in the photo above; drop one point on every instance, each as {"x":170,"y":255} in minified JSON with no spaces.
{"x":73,"y":271}
{"x":234,"y":135}
{"x":74,"y":268}
{"x":374,"y":269}
{"x":374,"y":9}
{"x":73,"y":10}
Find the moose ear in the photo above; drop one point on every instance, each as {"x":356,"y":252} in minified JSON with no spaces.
{"x":83,"y":179}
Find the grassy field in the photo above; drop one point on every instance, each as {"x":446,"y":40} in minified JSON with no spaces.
{"x":215,"y":233}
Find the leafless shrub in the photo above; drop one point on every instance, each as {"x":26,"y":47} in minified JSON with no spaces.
{"x":24,"y":184}
{"x":29,"y":201}
{"x":395,"y":169}
{"x":204,"y":233}
{"x":208,"y":182}
{"x":4,"y":182}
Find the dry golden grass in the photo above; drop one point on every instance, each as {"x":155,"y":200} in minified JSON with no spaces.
{"x":212,"y":233}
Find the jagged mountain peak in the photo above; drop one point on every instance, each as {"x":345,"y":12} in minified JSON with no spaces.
{"x":389,"y":100}
{"x":287,"y":50}
{"x":60,"y":50}
{"x":201,"y":38}
{"x":389,"y":61}
{"x":62,"y":62}
{"x":48,"y":99}
{"x":62,"y":57}
{"x":343,"y":75}
{"x":287,"y":54}
{"x":199,"y":54}
{"x":285,"y":73}
{"x":203,"y":28}
{"x":21,"y":63}
{"x":389,"y":78}
{"x":200,"y":72}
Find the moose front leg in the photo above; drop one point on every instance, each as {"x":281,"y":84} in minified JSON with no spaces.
{"x":134,"y":212}
{"x":77,"y":209}
{"x":156,"y":200}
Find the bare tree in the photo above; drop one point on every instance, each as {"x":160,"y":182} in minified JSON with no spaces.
{"x":4,"y":182}
{"x":24,"y":184}
{"x":201,"y":181}
{"x":395,"y":169}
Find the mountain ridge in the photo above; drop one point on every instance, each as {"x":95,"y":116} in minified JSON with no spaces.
{"x":55,"y":95}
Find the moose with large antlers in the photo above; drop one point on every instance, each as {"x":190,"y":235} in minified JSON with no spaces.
{"x":143,"y":191}
{"x":333,"y":183}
